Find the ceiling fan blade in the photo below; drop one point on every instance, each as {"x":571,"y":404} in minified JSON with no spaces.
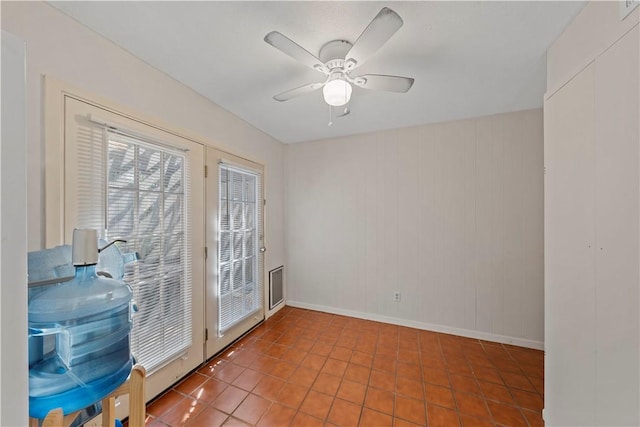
{"x":302,"y":90}
{"x":379,"y":30}
{"x":381,"y":82}
{"x":294,"y":50}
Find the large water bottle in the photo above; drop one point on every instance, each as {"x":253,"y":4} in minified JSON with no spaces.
{"x":111,"y":262}
{"x":88,"y":321}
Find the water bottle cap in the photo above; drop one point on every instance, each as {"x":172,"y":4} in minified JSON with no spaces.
{"x":85,"y":247}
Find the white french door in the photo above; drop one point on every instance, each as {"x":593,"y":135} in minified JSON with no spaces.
{"x":137,"y":182}
{"x":235,"y":245}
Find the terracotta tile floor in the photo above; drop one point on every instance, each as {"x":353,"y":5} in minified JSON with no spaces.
{"x":307,"y":368}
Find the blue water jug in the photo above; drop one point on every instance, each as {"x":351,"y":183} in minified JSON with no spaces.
{"x":88,"y":322}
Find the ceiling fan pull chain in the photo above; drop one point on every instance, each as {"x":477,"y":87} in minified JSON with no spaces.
{"x":330,"y":116}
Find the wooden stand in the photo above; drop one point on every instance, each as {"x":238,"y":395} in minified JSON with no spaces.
{"x":134,"y":387}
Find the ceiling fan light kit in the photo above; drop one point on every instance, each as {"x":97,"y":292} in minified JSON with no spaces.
{"x":337,"y":92}
{"x":337,"y":59}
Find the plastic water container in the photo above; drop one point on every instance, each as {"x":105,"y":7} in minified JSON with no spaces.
{"x":89,"y":320}
{"x":111,"y":261}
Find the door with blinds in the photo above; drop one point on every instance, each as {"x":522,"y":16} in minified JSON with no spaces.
{"x":235,"y":246}
{"x":139,"y":183}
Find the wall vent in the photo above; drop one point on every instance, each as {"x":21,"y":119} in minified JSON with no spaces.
{"x":276,"y":286}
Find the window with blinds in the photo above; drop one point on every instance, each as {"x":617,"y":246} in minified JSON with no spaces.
{"x":139,"y":194}
{"x":146,"y":190}
{"x":239,"y":278}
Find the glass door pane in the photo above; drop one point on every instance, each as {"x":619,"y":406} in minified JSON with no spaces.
{"x":145,"y":206}
{"x":234,"y":240}
{"x":239,"y":290}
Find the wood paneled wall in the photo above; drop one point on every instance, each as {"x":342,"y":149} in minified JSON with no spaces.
{"x":450,"y":215}
{"x":592,"y":244}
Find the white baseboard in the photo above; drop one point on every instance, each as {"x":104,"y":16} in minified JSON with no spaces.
{"x":487,"y":336}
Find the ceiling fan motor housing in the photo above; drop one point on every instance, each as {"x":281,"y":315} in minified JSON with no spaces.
{"x":334,"y":50}
{"x":333,"y":55}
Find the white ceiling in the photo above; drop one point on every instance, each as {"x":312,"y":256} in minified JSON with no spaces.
{"x":468,"y":58}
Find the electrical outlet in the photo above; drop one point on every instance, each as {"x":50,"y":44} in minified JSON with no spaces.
{"x":396,"y":296}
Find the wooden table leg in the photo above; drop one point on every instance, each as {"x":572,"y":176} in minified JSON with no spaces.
{"x":54,"y":418}
{"x":109,"y":411}
{"x":137,"y":407}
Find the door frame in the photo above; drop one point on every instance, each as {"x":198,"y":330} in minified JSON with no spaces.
{"x":57,"y":212}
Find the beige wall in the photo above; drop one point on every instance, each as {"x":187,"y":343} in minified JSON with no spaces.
{"x":592,"y":241}
{"x":14,"y":389}
{"x":596,"y":28}
{"x":448,"y":214}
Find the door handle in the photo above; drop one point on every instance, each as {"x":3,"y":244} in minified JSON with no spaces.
{"x":263,"y":249}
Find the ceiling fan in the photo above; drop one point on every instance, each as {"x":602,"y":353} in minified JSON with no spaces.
{"x":339,"y":58}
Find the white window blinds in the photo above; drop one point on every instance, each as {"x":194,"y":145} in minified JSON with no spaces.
{"x":240,"y":279}
{"x":138,"y":190}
